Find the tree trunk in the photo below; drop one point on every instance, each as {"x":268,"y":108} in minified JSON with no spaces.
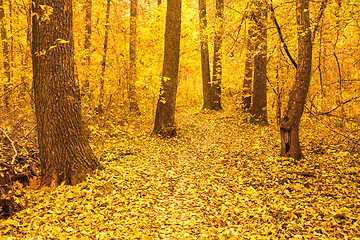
{"x":217,"y":64}
{"x":165,"y":111}
{"x":249,"y":65}
{"x":87,"y":45}
{"x":103,"y":62}
{"x":205,"y":62}
{"x":6,"y":56}
{"x":289,"y":127}
{"x":134,"y":108}
{"x":259,"y":98}
{"x":64,"y":151}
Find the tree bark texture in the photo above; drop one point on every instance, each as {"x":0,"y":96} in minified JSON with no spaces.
{"x":249,"y":64}
{"x":134,"y":108}
{"x":205,"y":62}
{"x":217,"y":64}
{"x":289,"y":127}
{"x":259,"y":97}
{"x":103,"y":62}
{"x":64,"y":151}
{"x":165,"y":111}
{"x":87,"y":44}
{"x":6,"y":55}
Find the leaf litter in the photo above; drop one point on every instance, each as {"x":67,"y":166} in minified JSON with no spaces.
{"x":220,"y":178}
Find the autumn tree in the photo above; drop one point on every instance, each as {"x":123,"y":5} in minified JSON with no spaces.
{"x":259,"y":92}
{"x":249,"y":61}
{"x":215,"y":90}
{"x":205,"y":62}
{"x":165,"y":111}
{"x":64,"y":151}
{"x":289,"y":126}
{"x":134,"y":108}
{"x":87,"y":42}
{"x":6,"y":55}
{"x":103,"y":62}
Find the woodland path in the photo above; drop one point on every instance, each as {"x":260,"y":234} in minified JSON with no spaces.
{"x":220,"y":178}
{"x":186,"y":167}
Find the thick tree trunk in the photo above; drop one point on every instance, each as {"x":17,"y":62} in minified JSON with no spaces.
{"x":258,"y":109}
{"x":217,"y":64}
{"x":64,"y":151}
{"x":289,"y":127}
{"x":249,"y":65}
{"x":134,"y":108}
{"x":6,"y":56}
{"x":165,"y":111}
{"x":103,"y":62}
{"x":205,"y":62}
{"x":87,"y":44}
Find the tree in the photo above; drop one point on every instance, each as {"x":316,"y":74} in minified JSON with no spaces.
{"x":289,"y":126}
{"x":87,"y":42}
{"x":103,"y":62}
{"x":6,"y":55}
{"x":64,"y":151}
{"x":249,"y":63}
{"x":215,"y":90}
{"x":259,"y":93}
{"x":205,"y":62}
{"x":165,"y":111}
{"x":134,"y":108}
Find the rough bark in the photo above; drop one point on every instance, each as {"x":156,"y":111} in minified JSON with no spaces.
{"x":87,"y":44}
{"x":6,"y":55}
{"x":103,"y":62}
{"x":289,"y":127}
{"x":64,"y":151}
{"x":259,"y":97}
{"x":165,"y":111}
{"x":249,"y":65}
{"x":134,"y":108}
{"x":205,"y":62}
{"x":217,"y":63}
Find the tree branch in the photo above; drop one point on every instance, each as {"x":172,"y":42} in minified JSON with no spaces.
{"x":13,"y":146}
{"x":281,"y":36}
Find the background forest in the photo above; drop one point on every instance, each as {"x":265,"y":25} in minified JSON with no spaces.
{"x":220,"y":177}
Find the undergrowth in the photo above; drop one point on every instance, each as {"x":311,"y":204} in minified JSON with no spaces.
{"x":220,"y":178}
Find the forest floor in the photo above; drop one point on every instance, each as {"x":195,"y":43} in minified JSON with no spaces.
{"x":220,"y":178}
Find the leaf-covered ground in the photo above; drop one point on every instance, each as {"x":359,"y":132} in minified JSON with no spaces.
{"x":219,"y":179}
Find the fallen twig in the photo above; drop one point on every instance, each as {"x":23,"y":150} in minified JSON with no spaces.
{"x":13,"y":146}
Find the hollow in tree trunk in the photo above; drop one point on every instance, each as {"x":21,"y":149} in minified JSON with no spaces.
{"x":64,"y":151}
{"x":289,"y":127}
{"x":165,"y":111}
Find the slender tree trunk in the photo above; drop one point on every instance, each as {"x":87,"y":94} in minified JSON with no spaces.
{"x":258,"y":109}
{"x":205,"y":62}
{"x":249,"y":65}
{"x":217,"y":63}
{"x":6,"y":56}
{"x":165,"y":111}
{"x":64,"y":151}
{"x":103,"y":62}
{"x":134,"y":108}
{"x":87,"y":45}
{"x":289,"y":127}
